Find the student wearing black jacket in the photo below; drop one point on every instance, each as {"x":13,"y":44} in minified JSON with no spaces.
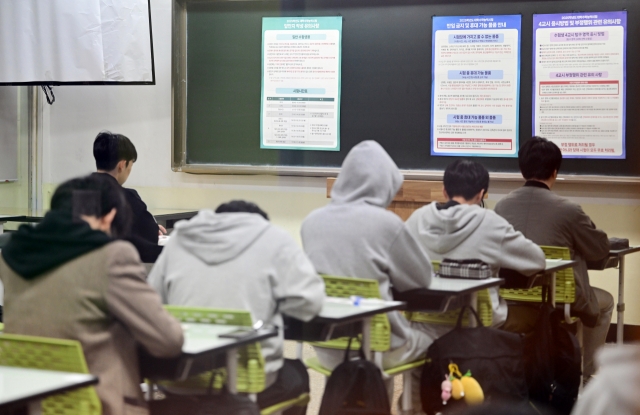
{"x":115,"y":155}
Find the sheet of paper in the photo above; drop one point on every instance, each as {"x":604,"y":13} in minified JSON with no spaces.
{"x":475,"y":85}
{"x":579,"y":71}
{"x":300,"y":104}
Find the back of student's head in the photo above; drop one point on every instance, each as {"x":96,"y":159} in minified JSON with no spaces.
{"x":465,"y":178}
{"x":109,"y":149}
{"x":241,"y":206}
{"x":538,"y":158}
{"x":94,"y":195}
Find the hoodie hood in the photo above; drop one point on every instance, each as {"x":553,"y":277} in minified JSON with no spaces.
{"x":443,"y":230}
{"x":369,"y":175}
{"x":219,"y":237}
{"x":32,"y":251}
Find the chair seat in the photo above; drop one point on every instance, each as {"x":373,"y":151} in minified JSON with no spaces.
{"x":314,"y":364}
{"x":301,"y":400}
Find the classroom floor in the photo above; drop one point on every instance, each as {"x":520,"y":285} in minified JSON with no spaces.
{"x":317,"y":380}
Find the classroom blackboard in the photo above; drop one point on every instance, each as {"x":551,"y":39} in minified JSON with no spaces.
{"x":386,"y":81}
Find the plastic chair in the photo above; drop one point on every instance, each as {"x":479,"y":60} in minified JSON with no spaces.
{"x":565,"y":289}
{"x":380,"y":333}
{"x":52,"y":354}
{"x":251,"y":375}
{"x":450,"y":317}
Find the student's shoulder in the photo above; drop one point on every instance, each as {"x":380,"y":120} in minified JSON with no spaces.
{"x":133,"y":197}
{"x":121,"y":251}
{"x":275,"y":235}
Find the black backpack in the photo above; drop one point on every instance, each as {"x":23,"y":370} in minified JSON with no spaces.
{"x":355,"y":388}
{"x":492,"y":357}
{"x":552,"y":360}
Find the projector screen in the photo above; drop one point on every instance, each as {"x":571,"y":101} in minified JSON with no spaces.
{"x":76,"y":42}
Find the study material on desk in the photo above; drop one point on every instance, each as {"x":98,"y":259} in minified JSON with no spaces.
{"x":19,"y":386}
{"x":386,"y":87}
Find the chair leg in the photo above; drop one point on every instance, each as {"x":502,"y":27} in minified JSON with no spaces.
{"x":580,"y":336}
{"x":377,"y":359}
{"x":407,"y":393}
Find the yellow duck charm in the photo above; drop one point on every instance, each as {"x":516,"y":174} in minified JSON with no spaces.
{"x":465,"y":386}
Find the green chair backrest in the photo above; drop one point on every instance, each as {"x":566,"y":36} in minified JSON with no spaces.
{"x":251,"y":374}
{"x":565,"y":282}
{"x":52,"y":354}
{"x":344,"y":287}
{"x":485,"y":310}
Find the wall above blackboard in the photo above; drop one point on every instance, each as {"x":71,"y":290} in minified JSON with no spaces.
{"x":386,"y":85}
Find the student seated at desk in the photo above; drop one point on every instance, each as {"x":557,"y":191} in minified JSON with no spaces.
{"x":355,"y":236}
{"x":115,"y":155}
{"x":461,"y":229}
{"x":548,"y":219}
{"x":235,"y":259}
{"x":67,"y":278}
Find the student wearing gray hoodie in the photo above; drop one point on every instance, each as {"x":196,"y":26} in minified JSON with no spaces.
{"x":236,"y":259}
{"x":355,"y":236}
{"x":461,"y":229}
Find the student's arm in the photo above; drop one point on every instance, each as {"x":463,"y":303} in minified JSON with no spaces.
{"x":137,"y":306}
{"x":156,"y":277}
{"x":520,"y":254}
{"x":298,"y":288}
{"x":409,"y":265}
{"x":591,"y":243}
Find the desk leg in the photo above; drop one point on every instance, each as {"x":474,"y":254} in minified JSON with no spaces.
{"x":552,"y":288}
{"x":34,"y":407}
{"x":620,"y":306}
{"x":232,"y":371}
{"x":473,"y":303}
{"x":366,"y":337}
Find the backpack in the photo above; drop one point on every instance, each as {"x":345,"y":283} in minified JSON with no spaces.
{"x":355,"y":388}
{"x":553,"y":360}
{"x":468,"y":366}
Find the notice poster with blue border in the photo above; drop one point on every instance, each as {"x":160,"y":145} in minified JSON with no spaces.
{"x":300,"y":100}
{"x":579,"y":82}
{"x":475,"y":85}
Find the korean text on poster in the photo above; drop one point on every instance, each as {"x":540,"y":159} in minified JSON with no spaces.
{"x":475,"y":85}
{"x":300,"y":104}
{"x":579,"y":70}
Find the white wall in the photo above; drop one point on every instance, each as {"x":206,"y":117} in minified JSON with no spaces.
{"x":143,"y":113}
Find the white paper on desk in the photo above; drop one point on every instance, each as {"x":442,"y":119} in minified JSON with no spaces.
{"x":75,"y":41}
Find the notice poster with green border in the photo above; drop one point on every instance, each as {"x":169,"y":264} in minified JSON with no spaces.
{"x":300,"y":99}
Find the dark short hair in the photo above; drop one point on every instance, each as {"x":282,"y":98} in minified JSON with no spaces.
{"x":241,"y":206}
{"x":109,"y":149}
{"x":465,"y":178}
{"x":94,"y":195}
{"x":538,"y":158}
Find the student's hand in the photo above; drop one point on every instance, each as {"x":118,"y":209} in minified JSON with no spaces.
{"x":161,"y":230}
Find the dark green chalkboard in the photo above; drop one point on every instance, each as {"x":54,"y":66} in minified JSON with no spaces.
{"x":386,"y":80}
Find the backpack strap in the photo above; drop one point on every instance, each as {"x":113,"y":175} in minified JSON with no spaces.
{"x":459,"y":322}
{"x":348,"y":349}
